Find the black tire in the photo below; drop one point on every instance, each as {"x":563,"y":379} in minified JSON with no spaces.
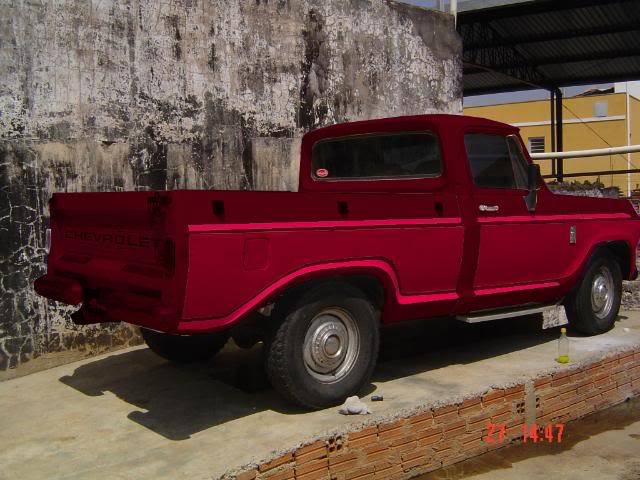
{"x":184,"y":348}
{"x":324,"y":307}
{"x":582,"y":311}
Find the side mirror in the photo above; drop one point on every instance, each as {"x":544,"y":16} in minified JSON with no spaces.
{"x":533,"y":176}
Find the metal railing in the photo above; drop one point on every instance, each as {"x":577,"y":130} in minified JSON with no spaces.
{"x":597,"y":152}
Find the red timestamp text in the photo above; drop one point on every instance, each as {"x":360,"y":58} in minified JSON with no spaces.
{"x":534,"y":433}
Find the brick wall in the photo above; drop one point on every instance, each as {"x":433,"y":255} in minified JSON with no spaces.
{"x":437,"y":437}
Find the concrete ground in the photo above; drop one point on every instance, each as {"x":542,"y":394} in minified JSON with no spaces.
{"x":131,"y":414}
{"x":602,"y":446}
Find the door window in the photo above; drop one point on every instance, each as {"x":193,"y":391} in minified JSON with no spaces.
{"x":496,"y":161}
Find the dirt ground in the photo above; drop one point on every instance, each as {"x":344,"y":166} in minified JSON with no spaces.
{"x":130,"y":414}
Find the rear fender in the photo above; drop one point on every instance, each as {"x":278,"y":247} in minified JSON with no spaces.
{"x":380,"y":269}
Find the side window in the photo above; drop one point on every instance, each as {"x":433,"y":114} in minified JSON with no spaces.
{"x":377,"y":156}
{"x":518,"y":161}
{"x":496,"y":161}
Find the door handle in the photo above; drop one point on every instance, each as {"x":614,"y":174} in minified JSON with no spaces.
{"x":488,"y":208}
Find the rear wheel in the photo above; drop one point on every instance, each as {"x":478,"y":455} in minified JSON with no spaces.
{"x":184,"y":348}
{"x":593,"y":307}
{"x":325,"y":348}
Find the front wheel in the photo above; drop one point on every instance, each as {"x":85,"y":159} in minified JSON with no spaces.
{"x":184,"y":348}
{"x":593,"y":307}
{"x":326,"y":347}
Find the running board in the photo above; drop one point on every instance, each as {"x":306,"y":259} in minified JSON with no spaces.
{"x":518,"y":312}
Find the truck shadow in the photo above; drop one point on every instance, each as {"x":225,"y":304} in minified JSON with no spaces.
{"x":177,"y":401}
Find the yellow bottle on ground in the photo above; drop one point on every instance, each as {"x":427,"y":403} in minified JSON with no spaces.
{"x":563,"y":347}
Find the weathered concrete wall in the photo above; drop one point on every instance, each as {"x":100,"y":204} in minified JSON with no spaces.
{"x":138,"y":94}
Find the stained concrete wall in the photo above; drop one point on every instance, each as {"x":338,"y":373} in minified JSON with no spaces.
{"x":141,"y":94}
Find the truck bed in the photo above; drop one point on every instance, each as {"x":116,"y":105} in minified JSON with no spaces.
{"x":166,"y":255}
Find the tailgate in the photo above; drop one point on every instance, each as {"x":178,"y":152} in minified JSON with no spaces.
{"x":121,"y":248}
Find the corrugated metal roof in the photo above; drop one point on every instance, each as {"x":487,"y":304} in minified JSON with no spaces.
{"x":550,"y":43}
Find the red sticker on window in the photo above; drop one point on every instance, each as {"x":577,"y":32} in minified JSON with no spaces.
{"x":322,"y":173}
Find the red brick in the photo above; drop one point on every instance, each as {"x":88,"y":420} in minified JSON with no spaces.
{"x":248,"y":475}
{"x":429,"y":440}
{"x":286,"y":474}
{"x":626,"y":357}
{"x":403,"y":439}
{"x":311,"y":447}
{"x":276,"y":462}
{"x":514,"y":389}
{"x":421,"y":417}
{"x":454,"y":429}
{"x":386,"y":463}
{"x":389,"y":435}
{"x":363,"y":433}
{"x":390,"y":426}
{"x":360,"y":473}
{"x":417,"y":453}
{"x":341,"y":458}
{"x":389,"y":472}
{"x":413,"y":463}
{"x":475,"y":444}
{"x":589,"y":387}
{"x":343,"y":467}
{"x":312,"y":466}
{"x":311,"y":455}
{"x":471,"y":409}
{"x":405,"y":448}
{"x":375,"y":455}
{"x":499,"y":410}
{"x":542,"y":382}
{"x":317,"y":475}
{"x":478,"y":422}
{"x":362,"y":442}
{"x":428,"y":432}
{"x":625,"y":387}
{"x":502,"y":418}
{"x":444,"y":410}
{"x":470,"y":402}
{"x":493,"y":397}
{"x":560,"y":381}
{"x":446,"y":418}
{"x":603,"y":383}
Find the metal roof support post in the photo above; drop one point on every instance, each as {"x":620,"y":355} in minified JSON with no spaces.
{"x":453,"y":10}
{"x":552,"y":106}
{"x":628,"y":115}
{"x":559,"y":161}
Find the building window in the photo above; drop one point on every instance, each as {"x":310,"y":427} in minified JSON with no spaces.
{"x":600,"y":108}
{"x":536,"y":144}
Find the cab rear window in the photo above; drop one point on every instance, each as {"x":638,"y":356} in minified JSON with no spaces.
{"x":397,"y":155}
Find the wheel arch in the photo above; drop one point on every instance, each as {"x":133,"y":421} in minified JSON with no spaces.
{"x":376,"y":280}
{"x":622,"y":252}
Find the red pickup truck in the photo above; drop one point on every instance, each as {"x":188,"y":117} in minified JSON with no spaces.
{"x":395,"y":219}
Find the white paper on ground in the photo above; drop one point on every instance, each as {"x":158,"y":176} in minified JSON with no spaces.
{"x":554,"y":317}
{"x":354,"y":406}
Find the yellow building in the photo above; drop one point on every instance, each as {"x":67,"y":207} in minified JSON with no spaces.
{"x":590,"y":121}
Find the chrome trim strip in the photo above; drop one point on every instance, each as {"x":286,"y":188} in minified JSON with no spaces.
{"x":477,"y":318}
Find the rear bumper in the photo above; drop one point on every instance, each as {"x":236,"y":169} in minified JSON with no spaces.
{"x":61,"y":289}
{"x":143,"y":310}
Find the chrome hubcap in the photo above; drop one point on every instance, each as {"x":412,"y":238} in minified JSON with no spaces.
{"x":331,"y":345}
{"x":602,"y":291}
